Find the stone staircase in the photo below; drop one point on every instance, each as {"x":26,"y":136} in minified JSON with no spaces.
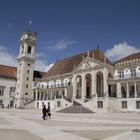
{"x":68,"y":99}
{"x":75,"y":108}
{"x":30,"y":104}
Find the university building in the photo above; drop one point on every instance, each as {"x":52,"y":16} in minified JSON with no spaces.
{"x":89,"y":79}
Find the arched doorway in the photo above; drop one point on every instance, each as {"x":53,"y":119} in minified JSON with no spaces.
{"x":79,"y":86}
{"x":99,"y":84}
{"x":88,"y":86}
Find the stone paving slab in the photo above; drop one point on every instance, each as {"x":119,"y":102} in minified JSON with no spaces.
{"x":126,"y":136}
{"x":14,"y":134}
{"x":68,"y":126}
{"x":96,"y":135}
{"x":3,"y":121}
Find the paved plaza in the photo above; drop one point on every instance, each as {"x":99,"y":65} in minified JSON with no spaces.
{"x":27,"y":124}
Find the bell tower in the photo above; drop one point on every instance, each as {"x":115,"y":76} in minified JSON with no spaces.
{"x":25,"y":69}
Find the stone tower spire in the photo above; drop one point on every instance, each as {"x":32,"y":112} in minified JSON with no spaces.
{"x":25,"y":69}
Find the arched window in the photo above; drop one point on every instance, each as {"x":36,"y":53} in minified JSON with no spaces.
{"x":22,"y":49}
{"x":29,"y":49}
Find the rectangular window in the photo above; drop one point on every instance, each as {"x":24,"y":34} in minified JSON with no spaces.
{"x":12,"y":91}
{"x":29,"y":49}
{"x":137,"y":104}
{"x":100,"y":104}
{"x":121,"y":74}
{"x":1,"y":92}
{"x":58,"y":104}
{"x":133,"y":73}
{"x":124,"y":104}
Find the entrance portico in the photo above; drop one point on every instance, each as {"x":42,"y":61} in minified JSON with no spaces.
{"x":86,"y":85}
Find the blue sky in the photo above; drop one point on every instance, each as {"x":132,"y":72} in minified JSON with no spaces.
{"x":68,"y":27}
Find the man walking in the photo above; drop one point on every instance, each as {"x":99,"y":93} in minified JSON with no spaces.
{"x":44,"y":111}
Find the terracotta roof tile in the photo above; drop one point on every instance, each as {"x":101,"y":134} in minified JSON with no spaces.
{"x":10,"y":72}
{"x":67,"y":65}
{"x":130,"y":57}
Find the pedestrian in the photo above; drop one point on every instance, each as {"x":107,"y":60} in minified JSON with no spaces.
{"x":44,"y":111}
{"x":2,"y":106}
{"x":49,"y":112}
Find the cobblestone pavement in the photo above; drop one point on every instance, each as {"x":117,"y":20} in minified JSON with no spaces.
{"x":28,"y":125}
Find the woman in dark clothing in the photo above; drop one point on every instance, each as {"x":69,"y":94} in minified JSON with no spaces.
{"x":49,"y":112}
{"x":44,"y":111}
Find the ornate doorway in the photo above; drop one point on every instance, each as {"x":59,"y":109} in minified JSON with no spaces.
{"x":88,"y":86}
{"x":99,"y":84}
{"x":79,"y":87}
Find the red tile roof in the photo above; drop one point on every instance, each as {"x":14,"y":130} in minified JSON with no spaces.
{"x":8,"y":72}
{"x":11,"y":72}
{"x":67,"y":65}
{"x":129,"y":57}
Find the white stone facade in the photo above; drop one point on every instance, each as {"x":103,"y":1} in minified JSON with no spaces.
{"x":7,"y":92}
{"x":25,"y":69}
{"x":97,"y":85}
{"x":94,"y":83}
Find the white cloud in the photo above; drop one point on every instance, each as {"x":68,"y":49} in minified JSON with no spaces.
{"x":121,"y":50}
{"x":6,"y":57}
{"x":9,"y":59}
{"x":49,"y":66}
{"x":41,"y":63}
{"x":59,"y":45}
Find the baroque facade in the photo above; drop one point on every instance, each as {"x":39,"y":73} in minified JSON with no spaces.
{"x":93,"y":81}
{"x":89,"y":79}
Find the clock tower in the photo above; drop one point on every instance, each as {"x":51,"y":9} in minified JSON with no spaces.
{"x":25,"y":69}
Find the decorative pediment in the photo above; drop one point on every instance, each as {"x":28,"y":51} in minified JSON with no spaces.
{"x":87,"y":64}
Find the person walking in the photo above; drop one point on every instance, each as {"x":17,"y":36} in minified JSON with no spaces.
{"x":49,"y":112}
{"x":44,"y":111}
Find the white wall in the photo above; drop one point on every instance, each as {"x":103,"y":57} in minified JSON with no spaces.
{"x":7,"y":83}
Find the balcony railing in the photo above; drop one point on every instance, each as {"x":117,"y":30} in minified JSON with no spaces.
{"x":53,"y":86}
{"x":126,"y":76}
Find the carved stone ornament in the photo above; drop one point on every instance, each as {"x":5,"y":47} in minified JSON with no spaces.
{"x":87,"y":65}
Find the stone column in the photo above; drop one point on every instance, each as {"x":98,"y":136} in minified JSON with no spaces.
{"x":36,"y":95}
{"x":127,"y":90}
{"x":51,"y":95}
{"x":74,"y":87}
{"x":39,"y":95}
{"x":119,"y":94}
{"x":94,"y":92}
{"x":135,"y":89}
{"x":105,"y":76}
{"x":65,"y":92}
{"x":83,"y":86}
{"x":47,"y":95}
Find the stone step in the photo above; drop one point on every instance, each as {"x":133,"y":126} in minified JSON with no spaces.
{"x":75,"y":109}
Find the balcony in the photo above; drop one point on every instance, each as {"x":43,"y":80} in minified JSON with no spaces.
{"x":62,"y":85}
{"x":127,"y":76}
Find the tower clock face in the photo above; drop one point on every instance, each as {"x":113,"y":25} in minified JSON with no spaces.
{"x":25,"y":36}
